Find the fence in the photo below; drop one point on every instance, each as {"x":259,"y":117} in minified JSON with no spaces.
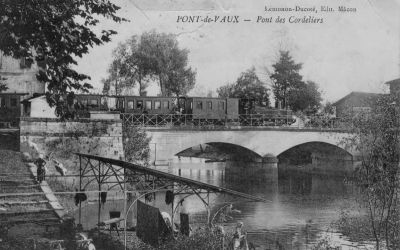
{"x":250,"y":120}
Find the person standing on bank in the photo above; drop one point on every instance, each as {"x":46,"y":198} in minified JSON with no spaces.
{"x":41,"y":169}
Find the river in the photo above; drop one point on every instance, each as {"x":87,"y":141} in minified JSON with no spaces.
{"x":301,"y":210}
{"x":299,"y":214}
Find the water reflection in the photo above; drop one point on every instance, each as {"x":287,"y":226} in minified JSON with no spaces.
{"x":301,"y":209}
{"x":301,"y":205}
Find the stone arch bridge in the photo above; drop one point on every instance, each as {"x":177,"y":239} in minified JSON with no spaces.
{"x":266,"y":143}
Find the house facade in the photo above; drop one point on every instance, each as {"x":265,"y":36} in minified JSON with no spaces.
{"x":20,"y":76}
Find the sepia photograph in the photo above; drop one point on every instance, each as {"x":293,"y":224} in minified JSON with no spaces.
{"x":199,"y":125}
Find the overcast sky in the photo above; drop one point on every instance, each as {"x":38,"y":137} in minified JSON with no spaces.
{"x":348,"y":52}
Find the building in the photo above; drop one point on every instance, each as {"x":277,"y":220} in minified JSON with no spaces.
{"x":37,"y":106}
{"x":355,"y":102}
{"x":20,"y":80}
{"x":394,"y":86}
{"x":20,"y":76}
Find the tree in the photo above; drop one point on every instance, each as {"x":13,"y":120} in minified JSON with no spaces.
{"x":162,"y":55}
{"x":304,"y":97}
{"x":285,"y":77}
{"x":128,"y":68}
{"x":54,"y":33}
{"x":248,"y":85}
{"x":136,"y":145}
{"x":226,"y":90}
{"x":329,"y":109}
{"x":375,"y":135}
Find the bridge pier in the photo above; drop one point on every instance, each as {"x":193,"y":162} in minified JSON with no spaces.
{"x":270,"y":162}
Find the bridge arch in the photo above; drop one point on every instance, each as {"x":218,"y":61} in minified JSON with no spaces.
{"x":316,"y":155}
{"x":220,"y":151}
{"x":166,"y":143}
{"x":319,"y":145}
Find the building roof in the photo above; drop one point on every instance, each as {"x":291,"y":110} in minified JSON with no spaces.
{"x":395,"y":81}
{"x":365,"y":96}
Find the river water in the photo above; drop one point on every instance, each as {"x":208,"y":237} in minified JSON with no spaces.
{"x":301,"y":209}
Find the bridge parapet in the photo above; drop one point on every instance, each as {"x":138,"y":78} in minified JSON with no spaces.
{"x":186,"y":121}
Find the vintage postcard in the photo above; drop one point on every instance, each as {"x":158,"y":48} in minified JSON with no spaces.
{"x":201,"y":124}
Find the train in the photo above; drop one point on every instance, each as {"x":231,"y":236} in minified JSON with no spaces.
{"x":158,"y":110}
{"x":211,"y":110}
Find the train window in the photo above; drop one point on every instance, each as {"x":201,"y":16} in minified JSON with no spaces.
{"x":121,"y":103}
{"x":221,"y":105}
{"x":148,"y":104}
{"x":130,"y":104}
{"x":85,"y":102}
{"x":166,"y":104}
{"x":13,"y":102}
{"x":157,"y":105}
{"x":94,"y":103}
{"x":139,"y":104}
{"x":199,"y":105}
{"x":209,"y":105}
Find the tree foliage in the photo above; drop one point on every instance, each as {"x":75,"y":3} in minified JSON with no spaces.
{"x":248,"y":85}
{"x":305,"y":97}
{"x":166,"y":61}
{"x":376,"y":135}
{"x":128,"y":69}
{"x":136,"y":145}
{"x":285,"y":77}
{"x":54,"y":34}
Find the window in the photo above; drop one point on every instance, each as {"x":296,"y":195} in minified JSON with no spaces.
{"x":199,"y":105}
{"x":166,"y":104}
{"x":13,"y":102}
{"x":157,"y":105}
{"x":121,"y":103}
{"x":94,"y":103}
{"x":148,"y":104}
{"x":209,"y":105}
{"x":2,"y":102}
{"x":130,"y":104}
{"x":84,"y":102}
{"x":139,"y":104}
{"x":23,"y":63}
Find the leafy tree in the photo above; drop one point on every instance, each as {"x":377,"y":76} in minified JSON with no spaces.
{"x":136,"y":145}
{"x":375,"y":135}
{"x":226,"y":90}
{"x":304,"y":97}
{"x":328,"y":109}
{"x":162,"y":55}
{"x":54,"y":33}
{"x":248,"y":85}
{"x":285,"y":77}
{"x":128,"y":68}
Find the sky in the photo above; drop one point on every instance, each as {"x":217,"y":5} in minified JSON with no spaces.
{"x":355,"y":51}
